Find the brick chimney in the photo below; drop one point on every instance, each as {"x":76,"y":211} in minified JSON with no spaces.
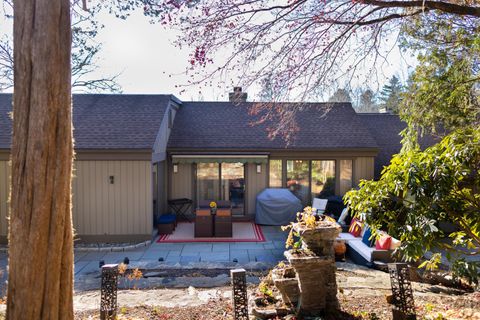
{"x":237,"y":95}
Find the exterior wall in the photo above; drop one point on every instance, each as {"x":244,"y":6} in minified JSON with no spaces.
{"x":181,"y":183}
{"x":121,"y":211}
{"x":363,"y":168}
{"x":4,"y":197}
{"x":255,"y":183}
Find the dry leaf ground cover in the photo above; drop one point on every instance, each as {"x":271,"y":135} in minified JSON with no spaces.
{"x":362,"y":295}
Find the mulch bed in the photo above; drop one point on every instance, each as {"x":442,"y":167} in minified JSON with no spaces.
{"x":433,"y":307}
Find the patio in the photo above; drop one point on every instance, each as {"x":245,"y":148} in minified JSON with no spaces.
{"x":184,"y":254}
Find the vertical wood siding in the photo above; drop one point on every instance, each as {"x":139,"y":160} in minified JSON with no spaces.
{"x":4,"y":196}
{"x":364,"y":169}
{"x":256,"y":182}
{"x":182,"y":182}
{"x":122,"y":208}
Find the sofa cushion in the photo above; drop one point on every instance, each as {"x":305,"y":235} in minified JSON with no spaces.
{"x":343,"y":216}
{"x":395,"y":244}
{"x":347,"y":236}
{"x":362,"y":249}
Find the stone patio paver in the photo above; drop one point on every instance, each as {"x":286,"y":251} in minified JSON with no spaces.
{"x":184,"y":254}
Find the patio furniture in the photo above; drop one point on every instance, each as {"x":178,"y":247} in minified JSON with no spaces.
{"x":180,"y":206}
{"x":203,"y":223}
{"x":166,"y":223}
{"x":223,"y":223}
{"x":320,"y":205}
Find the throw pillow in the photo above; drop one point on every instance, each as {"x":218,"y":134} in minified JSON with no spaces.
{"x":343,"y":216}
{"x":366,"y":237}
{"x":355,"y":228}
{"x":384,"y":242}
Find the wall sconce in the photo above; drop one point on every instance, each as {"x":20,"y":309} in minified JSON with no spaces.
{"x":259,"y":168}
{"x":112,"y":179}
{"x":175,"y":168}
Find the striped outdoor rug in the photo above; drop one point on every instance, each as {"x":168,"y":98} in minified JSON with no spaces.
{"x":242,"y":232}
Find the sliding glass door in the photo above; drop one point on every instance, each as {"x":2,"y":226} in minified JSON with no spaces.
{"x":298,"y":179}
{"x":323,"y":178}
{"x":233,"y":186}
{"x":208,"y":186}
{"x":221,"y":182}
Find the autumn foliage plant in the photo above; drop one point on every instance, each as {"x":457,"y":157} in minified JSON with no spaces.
{"x":306,"y":220}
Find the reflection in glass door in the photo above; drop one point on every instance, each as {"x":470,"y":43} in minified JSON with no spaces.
{"x":233,"y":186}
{"x":298,"y":179}
{"x":207,"y":182}
{"x":323,"y":178}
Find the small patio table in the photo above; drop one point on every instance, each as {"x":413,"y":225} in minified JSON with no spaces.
{"x":180,"y":206}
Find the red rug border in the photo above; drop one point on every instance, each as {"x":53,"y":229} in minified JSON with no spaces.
{"x":256,"y":228}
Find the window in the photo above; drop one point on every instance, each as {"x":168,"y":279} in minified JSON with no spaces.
{"x":323,"y":178}
{"x":346,"y":178}
{"x":298,"y":179}
{"x":275,"y":174}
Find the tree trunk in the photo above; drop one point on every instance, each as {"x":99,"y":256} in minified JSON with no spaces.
{"x":40,"y":279}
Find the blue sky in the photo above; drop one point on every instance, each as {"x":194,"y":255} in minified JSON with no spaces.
{"x":148,"y":62}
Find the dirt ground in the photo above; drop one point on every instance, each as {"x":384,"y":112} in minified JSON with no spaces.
{"x":354,"y":306}
{"x":362,"y":295}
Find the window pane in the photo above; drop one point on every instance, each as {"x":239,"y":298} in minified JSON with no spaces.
{"x":208,"y":182}
{"x":275,"y":173}
{"x":233,"y":186}
{"x":297,"y":179}
{"x":323,"y":178}
{"x":345,"y":176}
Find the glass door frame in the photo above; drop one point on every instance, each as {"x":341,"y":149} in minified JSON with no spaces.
{"x":219,"y":164}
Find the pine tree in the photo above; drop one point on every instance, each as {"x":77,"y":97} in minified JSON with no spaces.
{"x":367,"y":102}
{"x":341,"y":95}
{"x":391,"y":95}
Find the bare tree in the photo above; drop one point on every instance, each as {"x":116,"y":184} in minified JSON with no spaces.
{"x":85,"y":51}
{"x":299,"y":45}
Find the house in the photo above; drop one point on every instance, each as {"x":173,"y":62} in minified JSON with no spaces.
{"x":134,"y":152}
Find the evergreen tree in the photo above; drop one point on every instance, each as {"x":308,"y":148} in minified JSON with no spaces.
{"x":367,"y":102}
{"x":391,"y":95}
{"x":341,"y":95}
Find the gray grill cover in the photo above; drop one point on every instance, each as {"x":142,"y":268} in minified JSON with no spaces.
{"x":276,"y":207}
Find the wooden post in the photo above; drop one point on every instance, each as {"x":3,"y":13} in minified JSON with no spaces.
{"x":108,"y":300}
{"x":239,"y":294}
{"x":403,"y":303}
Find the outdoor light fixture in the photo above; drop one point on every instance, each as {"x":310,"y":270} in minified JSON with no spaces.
{"x":259,"y":168}
{"x":112,"y":179}
{"x":175,"y":168}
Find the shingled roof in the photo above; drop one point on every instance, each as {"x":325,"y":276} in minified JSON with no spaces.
{"x":105,"y":121}
{"x":225,"y":125}
{"x":386,"y":128}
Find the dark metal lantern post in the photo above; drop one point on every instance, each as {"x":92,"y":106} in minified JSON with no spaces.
{"x":239,"y":294}
{"x":108,"y":300}
{"x":403,"y":303}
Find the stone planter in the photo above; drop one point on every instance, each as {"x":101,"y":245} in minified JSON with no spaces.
{"x":319,"y":240}
{"x":288,"y":287}
{"x":317,"y":282}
